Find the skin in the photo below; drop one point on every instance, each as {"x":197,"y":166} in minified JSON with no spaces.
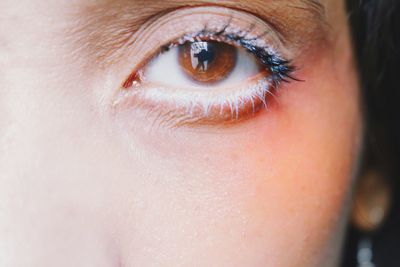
{"x":83,"y":184}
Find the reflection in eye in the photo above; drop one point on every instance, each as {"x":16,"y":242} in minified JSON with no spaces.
{"x":207,"y":62}
{"x":211,"y":76}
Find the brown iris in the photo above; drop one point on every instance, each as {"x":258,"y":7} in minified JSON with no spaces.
{"x":207,"y":62}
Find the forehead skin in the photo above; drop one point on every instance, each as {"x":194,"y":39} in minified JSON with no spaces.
{"x":82,"y":187}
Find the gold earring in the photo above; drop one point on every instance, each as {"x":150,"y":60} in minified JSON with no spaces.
{"x":371,"y":201}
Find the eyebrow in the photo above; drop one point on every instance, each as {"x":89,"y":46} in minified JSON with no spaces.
{"x":107,"y":24}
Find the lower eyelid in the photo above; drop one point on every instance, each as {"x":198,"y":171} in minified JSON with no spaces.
{"x":191,"y":107}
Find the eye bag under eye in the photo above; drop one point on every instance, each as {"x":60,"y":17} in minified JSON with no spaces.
{"x":207,"y":62}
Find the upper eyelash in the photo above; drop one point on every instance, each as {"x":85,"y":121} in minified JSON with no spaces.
{"x":281,"y":69}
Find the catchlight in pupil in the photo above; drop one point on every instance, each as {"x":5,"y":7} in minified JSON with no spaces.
{"x":207,"y":62}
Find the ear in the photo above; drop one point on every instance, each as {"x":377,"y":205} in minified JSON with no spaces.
{"x":371,"y":201}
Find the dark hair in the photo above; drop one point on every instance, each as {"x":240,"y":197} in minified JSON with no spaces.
{"x":376,"y":38}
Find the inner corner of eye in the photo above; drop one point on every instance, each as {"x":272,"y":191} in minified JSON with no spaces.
{"x":202,"y":63}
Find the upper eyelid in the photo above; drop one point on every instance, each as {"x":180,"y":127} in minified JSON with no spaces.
{"x":241,"y":37}
{"x":231,"y":11}
{"x":103,"y":32}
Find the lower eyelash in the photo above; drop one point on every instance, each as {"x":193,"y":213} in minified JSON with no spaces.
{"x":212,"y":107}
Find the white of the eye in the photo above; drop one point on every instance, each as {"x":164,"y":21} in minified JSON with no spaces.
{"x":165,"y":70}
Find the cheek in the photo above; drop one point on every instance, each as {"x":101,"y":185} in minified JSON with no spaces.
{"x":303,"y":164}
{"x":272,"y":190}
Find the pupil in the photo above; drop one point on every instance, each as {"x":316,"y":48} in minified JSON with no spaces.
{"x":203,"y":54}
{"x":207,"y":62}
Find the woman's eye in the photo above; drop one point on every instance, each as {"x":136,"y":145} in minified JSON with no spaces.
{"x":202,"y":65}
{"x":221,"y":70}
